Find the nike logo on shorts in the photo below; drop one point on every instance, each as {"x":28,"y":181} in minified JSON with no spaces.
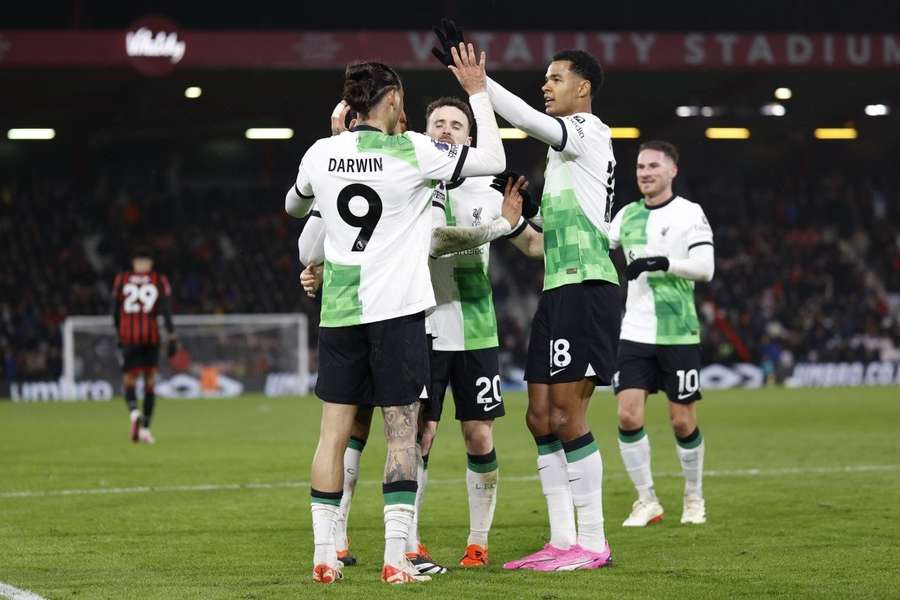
{"x":554,"y":372}
{"x":491,"y":407}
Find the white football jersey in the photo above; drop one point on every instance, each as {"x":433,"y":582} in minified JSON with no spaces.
{"x":576,"y":203}
{"x":660,"y":307}
{"x":464,"y":318}
{"x":373,"y":191}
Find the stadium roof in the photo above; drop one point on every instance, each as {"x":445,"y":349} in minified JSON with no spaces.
{"x":651,"y":15}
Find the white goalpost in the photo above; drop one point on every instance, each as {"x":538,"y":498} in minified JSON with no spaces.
{"x":219,"y":356}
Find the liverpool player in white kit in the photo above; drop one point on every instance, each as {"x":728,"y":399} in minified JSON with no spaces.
{"x":668,"y":245}
{"x":373,"y":191}
{"x":576,"y":327}
{"x":463,"y":328}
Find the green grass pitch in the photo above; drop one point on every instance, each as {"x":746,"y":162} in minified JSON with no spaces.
{"x":802,"y":489}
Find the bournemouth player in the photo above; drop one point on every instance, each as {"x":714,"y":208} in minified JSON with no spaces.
{"x":576,"y":327}
{"x":139,"y":296}
{"x":372,"y":189}
{"x":668,"y":245}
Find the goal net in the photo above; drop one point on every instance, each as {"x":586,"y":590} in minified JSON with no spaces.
{"x":219,"y":355}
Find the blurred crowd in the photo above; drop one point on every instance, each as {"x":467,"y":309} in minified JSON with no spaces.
{"x":807,"y":268}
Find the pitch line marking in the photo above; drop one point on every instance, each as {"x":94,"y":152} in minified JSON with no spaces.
{"x":14,"y":593}
{"x":220,"y":487}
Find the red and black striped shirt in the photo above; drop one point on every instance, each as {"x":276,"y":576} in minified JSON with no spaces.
{"x":138,"y":299}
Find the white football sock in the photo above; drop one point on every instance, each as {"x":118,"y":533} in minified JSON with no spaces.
{"x":636,"y":457}
{"x":551,"y":464}
{"x":690,"y":452}
{"x":397,"y":521}
{"x":481,"y":482}
{"x":323,"y":519}
{"x":351,"y":475}
{"x":412,"y":542}
{"x":585,"y":471}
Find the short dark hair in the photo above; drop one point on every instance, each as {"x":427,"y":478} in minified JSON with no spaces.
{"x":667,"y":148}
{"x":455,"y":103}
{"x":584,"y":65}
{"x":366,"y":82}
{"x":141,"y":251}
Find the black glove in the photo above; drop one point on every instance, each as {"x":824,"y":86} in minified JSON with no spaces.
{"x":530,"y":206}
{"x":173,"y":348}
{"x":648,"y":263}
{"x":449,"y":36}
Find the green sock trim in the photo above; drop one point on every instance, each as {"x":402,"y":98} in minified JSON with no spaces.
{"x":483,"y":467}
{"x":399,"y":498}
{"x":629,"y":437}
{"x":356,"y":444}
{"x":328,"y":501}
{"x":576,"y":455}
{"x":690,"y":442}
{"x":544,"y":449}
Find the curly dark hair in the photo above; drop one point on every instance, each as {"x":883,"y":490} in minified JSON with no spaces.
{"x":366,"y":82}
{"x":584,"y":65}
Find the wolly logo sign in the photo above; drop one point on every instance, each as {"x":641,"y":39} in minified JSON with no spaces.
{"x":154,"y":46}
{"x":144,"y":42}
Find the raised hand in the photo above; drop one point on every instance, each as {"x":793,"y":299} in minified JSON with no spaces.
{"x":468,"y":71}
{"x":449,"y":36}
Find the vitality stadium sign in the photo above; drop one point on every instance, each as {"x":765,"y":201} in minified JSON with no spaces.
{"x":155,"y":46}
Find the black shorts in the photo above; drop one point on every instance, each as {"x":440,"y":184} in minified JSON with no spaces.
{"x":574,"y":334}
{"x":675,"y":369}
{"x":145,"y":356}
{"x":474,"y":378}
{"x":374,"y":364}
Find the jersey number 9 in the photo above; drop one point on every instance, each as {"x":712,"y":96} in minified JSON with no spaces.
{"x":365,"y":222}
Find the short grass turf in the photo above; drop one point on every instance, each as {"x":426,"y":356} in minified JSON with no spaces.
{"x":802,"y":489}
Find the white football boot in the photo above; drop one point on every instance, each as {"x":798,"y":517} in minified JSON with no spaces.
{"x":643,"y":513}
{"x":694,"y":510}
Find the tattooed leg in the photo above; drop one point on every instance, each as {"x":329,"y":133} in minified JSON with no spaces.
{"x":400,"y":434}
{"x":399,"y":487}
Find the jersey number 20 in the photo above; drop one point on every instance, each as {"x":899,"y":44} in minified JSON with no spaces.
{"x":365,"y":222}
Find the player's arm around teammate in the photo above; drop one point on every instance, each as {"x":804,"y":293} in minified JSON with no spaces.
{"x":361,"y":317}
{"x":668,"y":245}
{"x":528,"y":238}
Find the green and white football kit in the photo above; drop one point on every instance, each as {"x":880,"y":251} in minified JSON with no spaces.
{"x":373,"y":192}
{"x":463,"y":324}
{"x":576,"y":326}
{"x":660,"y":330}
